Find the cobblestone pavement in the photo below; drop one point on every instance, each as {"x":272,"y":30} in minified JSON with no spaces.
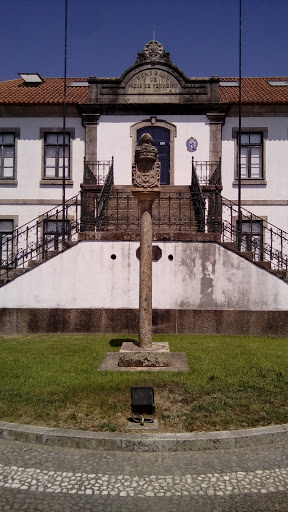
{"x":41,"y":478}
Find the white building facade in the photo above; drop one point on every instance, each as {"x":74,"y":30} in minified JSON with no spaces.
{"x":188,"y":118}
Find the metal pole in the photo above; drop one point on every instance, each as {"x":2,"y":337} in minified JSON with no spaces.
{"x":64,"y":127}
{"x":239,"y":224}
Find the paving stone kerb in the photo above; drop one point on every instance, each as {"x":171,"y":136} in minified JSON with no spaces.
{"x":104,"y":441}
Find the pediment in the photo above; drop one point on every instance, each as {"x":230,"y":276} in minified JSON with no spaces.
{"x":152,"y":81}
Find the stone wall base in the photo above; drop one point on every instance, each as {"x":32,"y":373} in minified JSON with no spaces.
{"x":169,"y":321}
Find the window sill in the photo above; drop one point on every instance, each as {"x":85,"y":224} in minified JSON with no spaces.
{"x":247,"y":181}
{"x":49,"y":183}
{"x":11,"y":181}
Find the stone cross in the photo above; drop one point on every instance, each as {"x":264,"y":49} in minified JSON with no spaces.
{"x":146,"y":188}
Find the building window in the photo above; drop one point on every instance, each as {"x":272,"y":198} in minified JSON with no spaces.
{"x":6,"y":243}
{"x":52,"y":233}
{"x":53,"y":155}
{"x":251,"y":155}
{"x":7,"y":155}
{"x":252,"y":238}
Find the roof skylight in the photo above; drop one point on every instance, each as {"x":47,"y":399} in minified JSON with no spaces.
{"x":79,"y":84}
{"x":31,"y":78}
{"x":278,"y":83}
{"x":229,"y":84}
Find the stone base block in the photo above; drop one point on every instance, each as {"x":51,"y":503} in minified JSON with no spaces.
{"x":131,"y":355}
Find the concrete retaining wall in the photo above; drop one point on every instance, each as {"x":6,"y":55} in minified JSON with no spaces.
{"x":125,"y":321}
{"x":197,"y":287}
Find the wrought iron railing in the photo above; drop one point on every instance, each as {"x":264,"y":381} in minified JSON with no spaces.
{"x":95,"y":173}
{"x":208,"y":173}
{"x":197,"y":198}
{"x":170,"y":211}
{"x":216,"y":177}
{"x":104,"y":196}
{"x":266,"y":241}
{"x":37,"y":238}
{"x":94,"y":199}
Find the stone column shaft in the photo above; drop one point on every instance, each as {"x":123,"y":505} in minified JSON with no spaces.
{"x":90,"y":121}
{"x":215,"y":147}
{"x":145,"y":284}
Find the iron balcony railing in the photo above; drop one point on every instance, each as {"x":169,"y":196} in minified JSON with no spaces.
{"x":95,"y":173}
{"x":94,"y":200}
{"x":171,"y":210}
{"x":266,"y":241}
{"x":104,"y":196}
{"x":208,"y":172}
{"x":197,"y":198}
{"x":37,"y":238}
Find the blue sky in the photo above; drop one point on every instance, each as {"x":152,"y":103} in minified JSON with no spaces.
{"x":105,"y":36}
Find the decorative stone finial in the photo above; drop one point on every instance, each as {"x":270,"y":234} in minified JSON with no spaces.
{"x":153,"y":52}
{"x":146,"y":169}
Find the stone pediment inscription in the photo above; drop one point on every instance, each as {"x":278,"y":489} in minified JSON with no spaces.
{"x":153,"y":81}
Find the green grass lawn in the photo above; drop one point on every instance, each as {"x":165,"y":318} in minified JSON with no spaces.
{"x":233,"y":382}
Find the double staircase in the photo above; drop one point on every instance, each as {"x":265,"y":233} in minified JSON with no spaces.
{"x":109,"y":212}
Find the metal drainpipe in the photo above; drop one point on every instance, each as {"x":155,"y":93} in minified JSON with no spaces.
{"x":239,"y":225}
{"x":64,"y":129}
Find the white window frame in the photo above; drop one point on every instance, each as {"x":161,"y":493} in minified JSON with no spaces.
{"x":251,"y":131}
{"x":16,"y":134}
{"x":56,"y":179}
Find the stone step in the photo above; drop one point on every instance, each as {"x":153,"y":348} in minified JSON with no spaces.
{"x":34,"y":263}
{"x":17,"y":272}
{"x":264,"y":264}
{"x":68,"y":243}
{"x":166,"y":207}
{"x":231,"y":245}
{"x":283,"y":274}
{"x":5,"y":280}
{"x":164,"y":189}
{"x":246,"y":254}
{"x":50,"y":254}
{"x":158,"y":235}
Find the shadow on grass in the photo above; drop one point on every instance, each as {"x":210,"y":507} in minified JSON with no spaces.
{"x":117,"y":342}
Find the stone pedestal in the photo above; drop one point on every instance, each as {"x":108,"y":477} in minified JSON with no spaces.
{"x":132,"y":355}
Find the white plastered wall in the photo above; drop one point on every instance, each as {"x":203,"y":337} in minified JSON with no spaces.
{"x":28,"y":197}
{"x":113,"y":139}
{"x":276,"y":156}
{"x":200,"y":276}
{"x":29,"y":158}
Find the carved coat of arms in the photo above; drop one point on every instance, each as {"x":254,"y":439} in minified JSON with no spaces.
{"x":146,"y":169}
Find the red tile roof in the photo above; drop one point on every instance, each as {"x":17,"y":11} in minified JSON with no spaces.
{"x":254,"y":91}
{"x":49,"y":92}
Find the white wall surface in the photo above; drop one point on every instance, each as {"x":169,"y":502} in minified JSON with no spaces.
{"x":189,"y":126}
{"x":29,"y":158}
{"x":200,"y":276}
{"x":113,"y":138}
{"x":276,"y":159}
